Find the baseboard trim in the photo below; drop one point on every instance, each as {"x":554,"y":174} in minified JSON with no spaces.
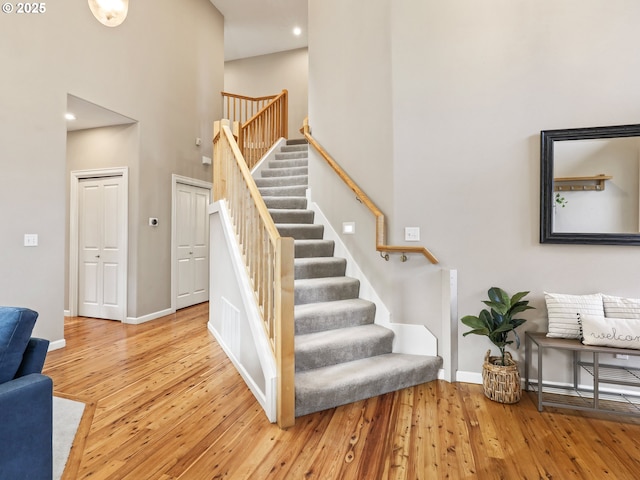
{"x":149,"y":317}
{"x":469,"y":377}
{"x":66,"y":313}
{"x":57,"y":344}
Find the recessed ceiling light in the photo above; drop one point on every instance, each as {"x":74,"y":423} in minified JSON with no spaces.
{"x":297,"y":31}
{"x":69,"y":116}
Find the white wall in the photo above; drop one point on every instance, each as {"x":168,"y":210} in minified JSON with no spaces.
{"x":163,"y":67}
{"x":350,"y":114}
{"x":269,"y":75}
{"x":468,"y":86}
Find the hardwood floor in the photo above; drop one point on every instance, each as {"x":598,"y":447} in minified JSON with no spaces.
{"x":166,"y":403}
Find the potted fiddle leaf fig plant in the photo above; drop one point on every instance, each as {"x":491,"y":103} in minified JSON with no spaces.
{"x":500,"y":376}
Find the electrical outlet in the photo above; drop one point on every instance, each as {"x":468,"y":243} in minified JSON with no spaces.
{"x":30,"y":239}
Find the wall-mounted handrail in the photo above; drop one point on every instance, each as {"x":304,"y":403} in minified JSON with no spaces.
{"x":268,"y":120}
{"x":381,"y":245}
{"x":268,"y":258}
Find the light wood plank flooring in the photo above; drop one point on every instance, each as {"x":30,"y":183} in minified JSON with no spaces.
{"x":164,"y":403}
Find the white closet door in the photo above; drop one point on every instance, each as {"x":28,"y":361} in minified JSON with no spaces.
{"x":192,"y":235}
{"x":101,"y":242}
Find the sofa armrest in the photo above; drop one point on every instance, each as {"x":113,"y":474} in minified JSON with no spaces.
{"x":33,"y":357}
{"x":26,"y":416}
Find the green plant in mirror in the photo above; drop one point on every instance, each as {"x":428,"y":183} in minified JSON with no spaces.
{"x":499,"y":321}
{"x":561,"y":201}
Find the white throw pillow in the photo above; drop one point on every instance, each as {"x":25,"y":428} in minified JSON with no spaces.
{"x":610,"y":332}
{"x":619,"y":307}
{"x":563,"y":311}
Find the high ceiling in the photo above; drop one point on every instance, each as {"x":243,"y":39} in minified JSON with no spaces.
{"x":251,"y":27}
{"x":259,"y":27}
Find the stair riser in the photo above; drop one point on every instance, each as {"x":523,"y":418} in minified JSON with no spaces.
{"x":325,"y":293}
{"x":333,"y":268}
{"x":286,"y":202}
{"x":301,"y":232}
{"x":311,"y":318}
{"x":303,"y":147}
{"x":284,"y":172}
{"x":282,"y":181}
{"x":292,"y":216}
{"x":334,"y":353}
{"x":290,"y":155}
{"x":300,"y":162}
{"x":294,"y":191}
{"x":319,"y":248}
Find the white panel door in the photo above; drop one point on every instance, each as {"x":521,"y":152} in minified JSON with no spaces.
{"x":101,"y":241}
{"x":192,"y":244}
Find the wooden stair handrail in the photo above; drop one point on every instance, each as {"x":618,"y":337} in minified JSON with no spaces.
{"x":269,"y":259}
{"x":381,"y":245}
{"x":270,"y":122}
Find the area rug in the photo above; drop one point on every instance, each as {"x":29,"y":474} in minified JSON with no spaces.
{"x":66,"y":419}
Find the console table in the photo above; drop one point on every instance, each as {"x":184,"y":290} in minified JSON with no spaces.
{"x":577,"y":397}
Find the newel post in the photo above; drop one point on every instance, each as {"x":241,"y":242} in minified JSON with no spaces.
{"x":285,"y":355}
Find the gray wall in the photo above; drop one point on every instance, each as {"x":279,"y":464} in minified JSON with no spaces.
{"x":270,"y":74}
{"x":163,"y":67}
{"x":461,"y":91}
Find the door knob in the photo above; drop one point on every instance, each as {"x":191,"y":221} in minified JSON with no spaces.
{"x":97,"y":256}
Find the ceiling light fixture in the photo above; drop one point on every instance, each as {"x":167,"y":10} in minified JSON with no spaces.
{"x":69,"y":116}
{"x":109,"y":12}
{"x":297,"y":31}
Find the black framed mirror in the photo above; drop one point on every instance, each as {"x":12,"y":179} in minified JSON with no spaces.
{"x":590,"y":185}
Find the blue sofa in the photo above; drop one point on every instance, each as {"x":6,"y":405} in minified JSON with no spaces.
{"x":26,"y":398}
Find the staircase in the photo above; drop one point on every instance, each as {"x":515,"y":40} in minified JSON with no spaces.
{"x":341,"y":355}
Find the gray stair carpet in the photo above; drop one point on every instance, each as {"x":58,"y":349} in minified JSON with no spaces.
{"x":341,"y":355}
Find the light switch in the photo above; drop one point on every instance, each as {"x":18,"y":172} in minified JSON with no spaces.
{"x":412,"y":234}
{"x":30,"y":239}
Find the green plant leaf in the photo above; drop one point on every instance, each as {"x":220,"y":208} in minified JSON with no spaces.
{"x":477,"y":331}
{"x":498,"y":295}
{"x":518,"y":296}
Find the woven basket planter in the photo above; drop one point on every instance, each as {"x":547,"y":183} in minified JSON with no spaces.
{"x":501,"y":383}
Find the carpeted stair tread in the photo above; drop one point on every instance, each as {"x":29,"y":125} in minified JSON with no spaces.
{"x":305,"y":248}
{"x":299,"y":142}
{"x":284,"y":191}
{"x":315,"y":317}
{"x":285,"y":202}
{"x":329,"y":347}
{"x":335,"y":385}
{"x":329,"y":289}
{"x":290,"y":155}
{"x":294,"y":162}
{"x":284,"y":172}
{"x":282,"y":181}
{"x":319,"y":267}
{"x":291,"y":215}
{"x":301,"y":231}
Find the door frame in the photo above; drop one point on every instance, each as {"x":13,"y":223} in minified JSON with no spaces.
{"x":76,"y":177}
{"x":194,"y":182}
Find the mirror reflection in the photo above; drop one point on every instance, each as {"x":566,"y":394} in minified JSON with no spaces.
{"x":590,"y":185}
